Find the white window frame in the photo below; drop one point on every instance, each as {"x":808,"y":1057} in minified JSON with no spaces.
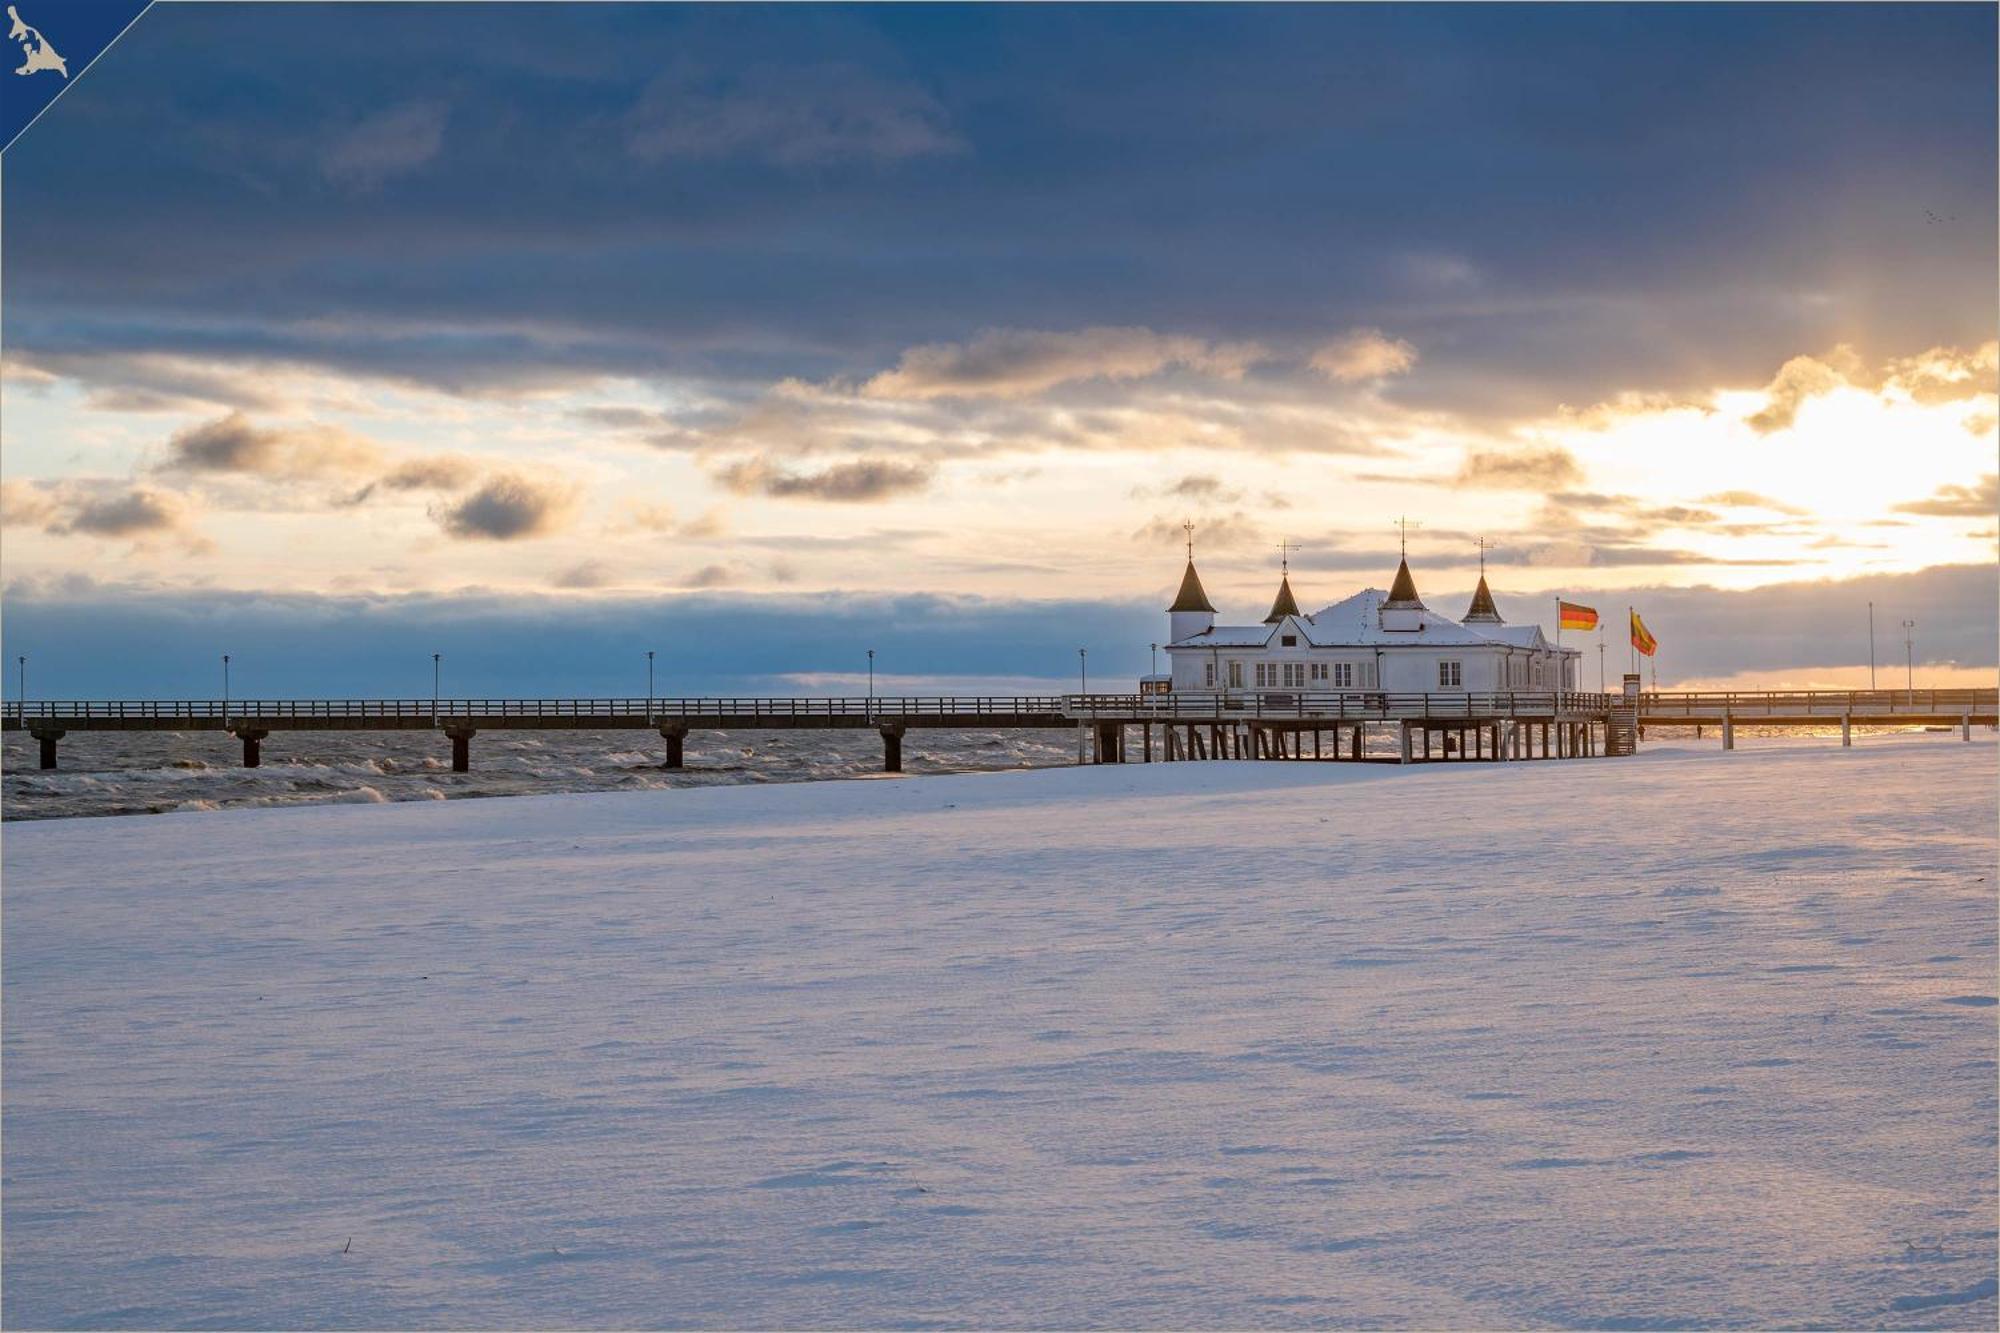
{"x":1451,"y":675}
{"x":1208,"y":675}
{"x":1343,"y":675}
{"x":1236,"y":675}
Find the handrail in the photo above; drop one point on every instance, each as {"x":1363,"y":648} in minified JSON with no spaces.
{"x":1359,"y":704}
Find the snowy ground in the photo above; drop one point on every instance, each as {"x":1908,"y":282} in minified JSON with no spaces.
{"x":1693,"y":1039}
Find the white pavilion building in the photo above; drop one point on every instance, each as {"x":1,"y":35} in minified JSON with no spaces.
{"x":1371,"y":641}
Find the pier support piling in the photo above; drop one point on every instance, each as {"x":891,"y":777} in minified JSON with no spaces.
{"x":1728,"y":732}
{"x":892,"y":748}
{"x":461,"y":747}
{"x":1846,"y":729}
{"x":47,"y":738}
{"x":253,"y":746}
{"x":675,"y":735}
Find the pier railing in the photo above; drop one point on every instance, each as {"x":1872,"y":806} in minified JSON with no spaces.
{"x":1352,"y":705}
{"x":1751,"y":704}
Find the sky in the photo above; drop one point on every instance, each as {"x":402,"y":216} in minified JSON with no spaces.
{"x":336,"y":336}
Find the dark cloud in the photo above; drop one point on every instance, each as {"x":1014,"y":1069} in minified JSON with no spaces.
{"x":822,"y":189}
{"x":1978,"y":501}
{"x":392,"y":142}
{"x":508,"y":508}
{"x":234,"y":443}
{"x":860,"y":481}
{"x":795,"y":116}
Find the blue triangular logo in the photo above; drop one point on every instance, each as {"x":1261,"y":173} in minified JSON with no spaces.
{"x":49,"y":45}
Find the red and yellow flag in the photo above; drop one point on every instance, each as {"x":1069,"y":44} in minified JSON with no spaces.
{"x":1571,"y":616}
{"x":1642,"y":639}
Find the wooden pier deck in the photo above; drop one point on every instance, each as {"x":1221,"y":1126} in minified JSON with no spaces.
{"x":1202,"y":725}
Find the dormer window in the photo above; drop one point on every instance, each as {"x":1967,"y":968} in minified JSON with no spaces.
{"x":1289,"y":640}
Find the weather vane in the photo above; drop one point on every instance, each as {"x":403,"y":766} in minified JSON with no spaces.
{"x":1189,"y":525}
{"x":1285,"y":549}
{"x":1403,"y":526}
{"x":1484,"y":546}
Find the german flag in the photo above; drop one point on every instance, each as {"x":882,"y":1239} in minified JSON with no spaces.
{"x":1642,"y":639}
{"x":1571,"y":616}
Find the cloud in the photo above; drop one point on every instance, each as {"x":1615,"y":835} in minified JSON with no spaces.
{"x":1981,"y":500}
{"x":1214,"y":532}
{"x":234,"y":444}
{"x":1010,"y":363}
{"x":1947,"y":374}
{"x":509,"y":508}
{"x":1800,"y":379}
{"x":862,"y":480}
{"x":1365,"y":354}
{"x":709,"y":576}
{"x":96,"y":507}
{"x":1522,"y":470}
{"x":588,"y":574}
{"x":390,"y":143}
{"x":788,"y":116}
{"x":1750,"y":500}
{"x":135,"y":513}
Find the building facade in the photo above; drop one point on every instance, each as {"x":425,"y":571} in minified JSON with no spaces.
{"x":1379,"y":641}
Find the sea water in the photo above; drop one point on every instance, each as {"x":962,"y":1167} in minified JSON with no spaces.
{"x":122,"y":773}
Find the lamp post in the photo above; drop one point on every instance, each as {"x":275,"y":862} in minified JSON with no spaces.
{"x":871,"y":684}
{"x":1909,"y":659}
{"x":1083,"y":671}
{"x":225,"y":691}
{"x":1871,"y":646}
{"x":649,"y":687}
{"x":21,"y":694}
{"x":437,"y":679}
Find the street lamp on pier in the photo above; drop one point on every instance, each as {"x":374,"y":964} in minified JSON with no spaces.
{"x":21,"y":693}
{"x":225,"y":691}
{"x":1083,"y":671}
{"x":437,"y":679}
{"x":871,"y":685}
{"x":649,"y":687}
{"x":1909,"y":659}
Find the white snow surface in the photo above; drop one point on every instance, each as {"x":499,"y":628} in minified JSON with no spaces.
{"x":1693,"y":1039}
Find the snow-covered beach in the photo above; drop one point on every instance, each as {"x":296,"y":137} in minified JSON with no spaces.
{"x":1688,"y":1040}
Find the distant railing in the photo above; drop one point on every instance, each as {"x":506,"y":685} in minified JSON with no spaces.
{"x":1832,"y":703}
{"x":1333,"y":705}
{"x":474,"y":709}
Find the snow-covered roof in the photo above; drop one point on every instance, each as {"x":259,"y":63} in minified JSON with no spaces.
{"x":1357,"y":623}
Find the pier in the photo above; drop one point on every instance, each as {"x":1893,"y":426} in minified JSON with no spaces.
{"x":1337,"y":726}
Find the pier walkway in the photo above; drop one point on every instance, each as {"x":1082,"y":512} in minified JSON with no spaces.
{"x":1201,"y":725}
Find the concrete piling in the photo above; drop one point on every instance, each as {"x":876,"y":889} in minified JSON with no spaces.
{"x":253,"y":745}
{"x":461,"y":747}
{"x":675,"y":736}
{"x":892,"y":747}
{"x":47,"y":737}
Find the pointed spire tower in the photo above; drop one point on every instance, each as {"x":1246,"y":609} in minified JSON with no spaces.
{"x":1285,"y":604}
{"x":1482,"y":611}
{"x":1192,"y":613}
{"x":1404,"y":610}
